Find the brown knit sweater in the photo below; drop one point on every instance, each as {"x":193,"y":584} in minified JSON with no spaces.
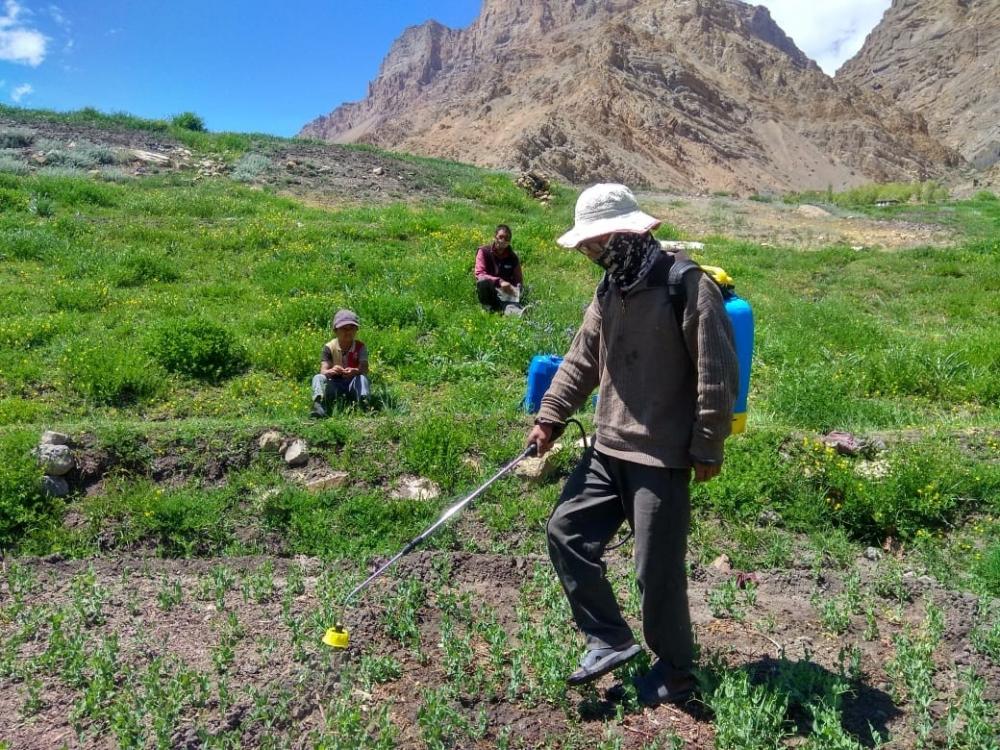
{"x":663,"y":400}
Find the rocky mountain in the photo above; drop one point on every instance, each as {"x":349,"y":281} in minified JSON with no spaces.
{"x":940,"y":58}
{"x":688,"y":94}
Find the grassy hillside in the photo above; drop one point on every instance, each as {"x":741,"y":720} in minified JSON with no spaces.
{"x":165,"y":322}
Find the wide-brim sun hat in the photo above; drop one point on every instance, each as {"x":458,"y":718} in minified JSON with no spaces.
{"x":604,"y":209}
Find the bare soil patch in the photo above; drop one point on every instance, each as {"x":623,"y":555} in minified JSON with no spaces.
{"x":277,"y":658}
{"x":779,"y":224}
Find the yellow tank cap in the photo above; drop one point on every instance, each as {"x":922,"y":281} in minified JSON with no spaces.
{"x":721,"y":277}
{"x":739,"y":423}
{"x":337,"y":637}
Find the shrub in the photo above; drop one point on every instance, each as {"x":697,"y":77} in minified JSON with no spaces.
{"x":73,"y":188}
{"x":927,"y":487}
{"x":293,"y":355}
{"x":79,"y":296}
{"x":250,"y":167}
{"x":21,"y":497}
{"x":16,"y":137}
{"x":74,"y":173}
{"x":110,"y":375}
{"x":42,"y":206}
{"x":435,"y":449}
{"x":190,"y":522}
{"x":988,"y":570}
{"x":188,"y":121}
{"x":12,"y":200}
{"x":115,"y":174}
{"x":11,"y":165}
{"x":747,"y":717}
{"x":82,"y":155}
{"x":498,"y":191}
{"x":199,"y":349}
{"x":32,"y":244}
{"x":137,"y":268}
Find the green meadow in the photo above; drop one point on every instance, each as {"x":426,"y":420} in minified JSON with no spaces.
{"x":168,"y":322}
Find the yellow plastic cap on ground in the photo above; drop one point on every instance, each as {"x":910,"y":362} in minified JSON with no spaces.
{"x":337,"y":638}
{"x":739,"y":423}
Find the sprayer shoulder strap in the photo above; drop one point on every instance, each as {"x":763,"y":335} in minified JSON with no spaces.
{"x":679,"y":267}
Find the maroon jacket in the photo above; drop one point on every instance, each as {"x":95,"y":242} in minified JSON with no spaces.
{"x":489,"y":266}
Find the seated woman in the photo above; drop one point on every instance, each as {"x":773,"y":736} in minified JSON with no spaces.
{"x":344,"y":369}
{"x":499,"y":279}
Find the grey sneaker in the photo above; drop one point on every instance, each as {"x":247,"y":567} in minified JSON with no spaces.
{"x":597,"y":662}
{"x":318,"y":411}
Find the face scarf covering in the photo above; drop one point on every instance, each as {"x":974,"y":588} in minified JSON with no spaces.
{"x":628,"y":257}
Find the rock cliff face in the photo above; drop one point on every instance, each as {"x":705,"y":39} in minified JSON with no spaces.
{"x":940,"y":58}
{"x":690,"y":94}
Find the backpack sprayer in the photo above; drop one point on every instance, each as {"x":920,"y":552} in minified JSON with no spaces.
{"x":338,"y":636}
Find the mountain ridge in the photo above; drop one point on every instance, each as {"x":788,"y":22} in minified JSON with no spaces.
{"x":941,"y":59}
{"x":697,"y":95}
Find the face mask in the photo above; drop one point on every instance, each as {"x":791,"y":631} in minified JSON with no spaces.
{"x":601,"y":257}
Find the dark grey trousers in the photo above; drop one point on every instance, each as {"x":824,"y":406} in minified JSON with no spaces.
{"x":601,"y":494}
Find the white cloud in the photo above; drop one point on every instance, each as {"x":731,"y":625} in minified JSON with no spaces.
{"x":830,"y":32}
{"x":19,"y":92}
{"x":58,"y":16}
{"x":18,"y":43}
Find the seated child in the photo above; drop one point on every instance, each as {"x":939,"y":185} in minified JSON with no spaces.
{"x":344,"y":369}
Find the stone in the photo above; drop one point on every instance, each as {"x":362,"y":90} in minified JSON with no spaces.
{"x":297,"y":453}
{"x":875,"y":445}
{"x":877,"y":469}
{"x":55,"y":486}
{"x":813,"y":212}
{"x":415,"y":488}
{"x":328,"y":481}
{"x":150,"y":157}
{"x":55,"y":460}
{"x":270,"y":441}
{"x":722,"y":564}
{"x":769,"y":517}
{"x":536,"y":470}
{"x":539,"y":469}
{"x":51,"y":437}
{"x":873,"y":553}
{"x":473,"y":462}
{"x":675,"y":245}
{"x":844,"y":443}
{"x":378,"y":171}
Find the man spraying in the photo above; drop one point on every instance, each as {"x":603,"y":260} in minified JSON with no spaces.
{"x":666,"y":385}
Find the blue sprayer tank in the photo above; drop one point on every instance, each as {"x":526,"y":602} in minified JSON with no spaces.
{"x":741,"y":317}
{"x":540,"y":373}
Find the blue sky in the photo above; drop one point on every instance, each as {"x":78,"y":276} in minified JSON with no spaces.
{"x":259,"y":65}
